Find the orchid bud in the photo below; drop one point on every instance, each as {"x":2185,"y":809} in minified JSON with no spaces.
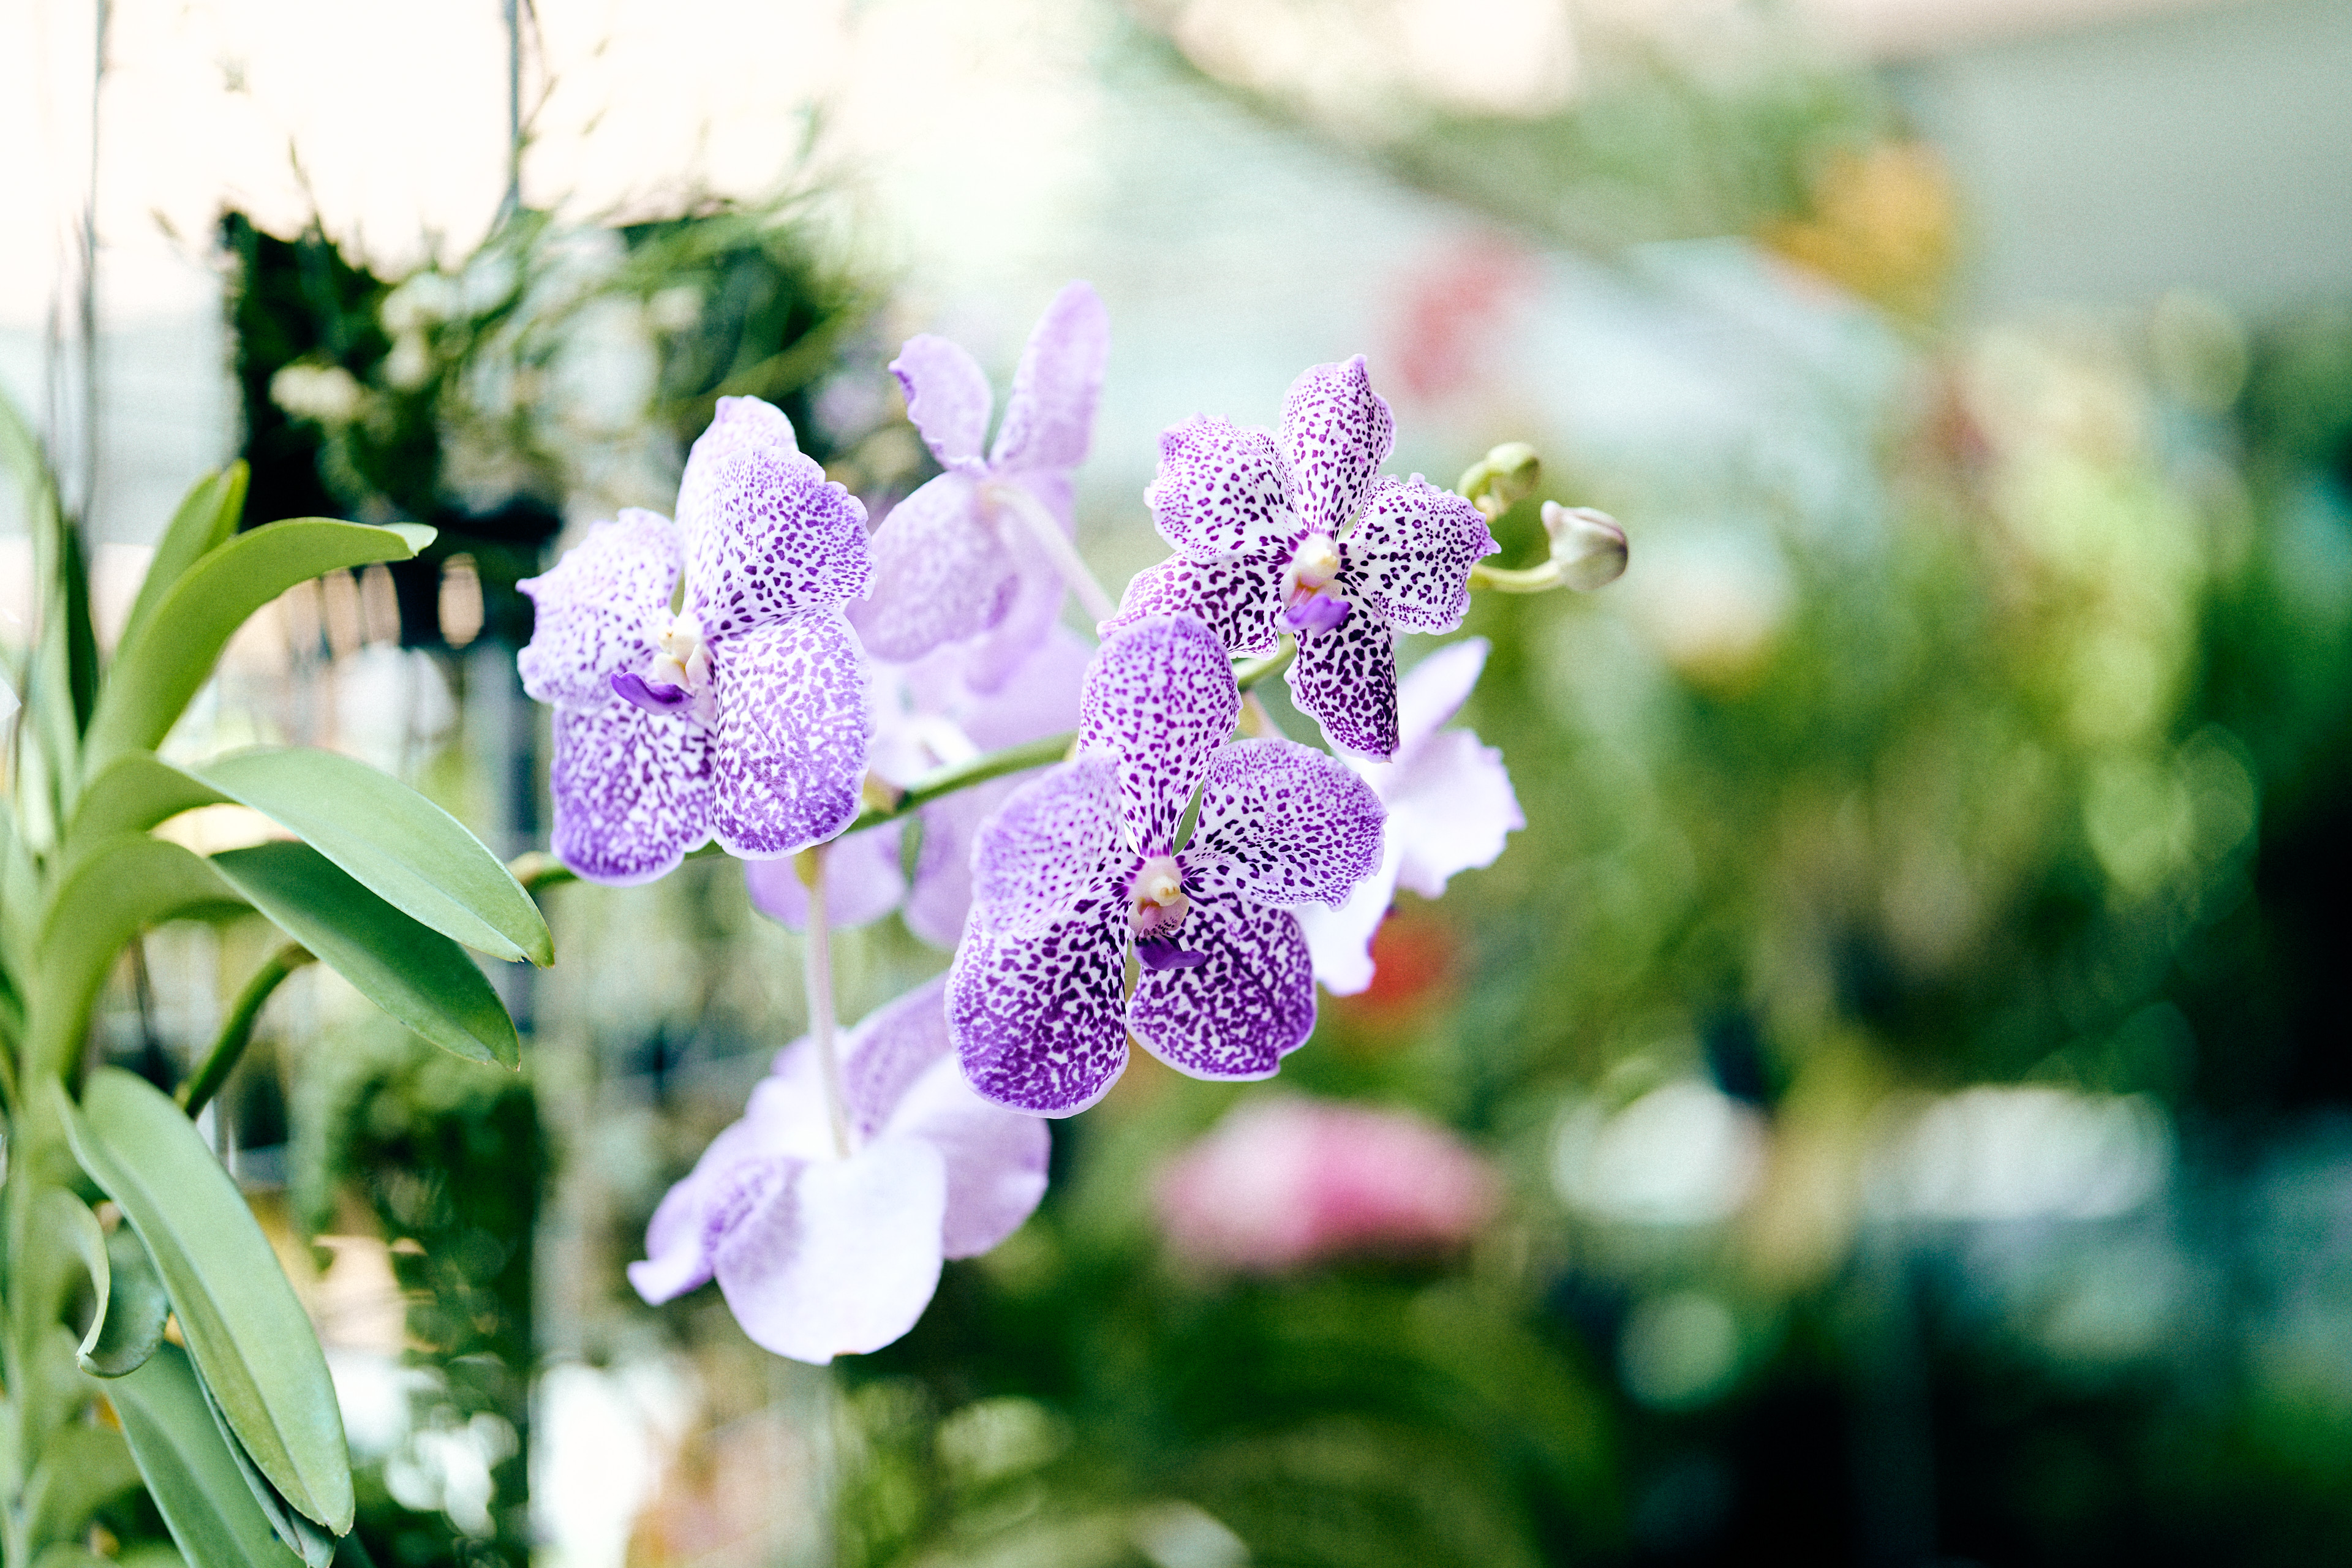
{"x":1502,"y":479}
{"x":1587,"y":546}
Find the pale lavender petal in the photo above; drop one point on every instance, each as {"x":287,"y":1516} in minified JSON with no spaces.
{"x":1035,"y":1016}
{"x":1038,"y":594}
{"x":592,"y":606}
{"x":940,"y":574}
{"x":948,"y":399}
{"x":1336,"y":433}
{"x":1410,"y":562}
{"x":1239,"y":1013}
{"x":729,"y":1178}
{"x":738,"y":425}
{"x":1453,"y":808}
{"x":888,"y":1050}
{"x":838,"y":1257}
{"x":995,"y":1157}
{"x":1045,"y":856}
{"x":1049,"y":415}
{"x":1238,"y":597}
{"x":632,"y":791}
{"x":1160,"y":698}
{"x":792,"y":726}
{"x":941,"y":895}
{"x":1345,"y":678}
{"x":1433,"y":691}
{"x":1220,"y":488}
{"x":778,"y":538}
{"x":1340,"y":939}
{"x":1282,"y":824}
{"x":1040,"y":700}
{"x":862,"y":882}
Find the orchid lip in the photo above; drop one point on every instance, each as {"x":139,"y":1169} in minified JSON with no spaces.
{"x":660,"y":697}
{"x":1162,"y":953}
{"x":1321,"y":613}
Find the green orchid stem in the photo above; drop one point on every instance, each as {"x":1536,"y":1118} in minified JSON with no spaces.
{"x":538,"y":870}
{"x":816,"y":972}
{"x":1540,"y":579}
{"x":236,"y":1030}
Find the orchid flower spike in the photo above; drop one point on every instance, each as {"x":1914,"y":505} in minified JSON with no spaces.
{"x":928,"y":715}
{"x":731,"y":708}
{"x":1449,"y":803}
{"x":972,"y":553}
{"x":1301,"y":532}
{"x":820,"y":1256}
{"x":1083,"y":863}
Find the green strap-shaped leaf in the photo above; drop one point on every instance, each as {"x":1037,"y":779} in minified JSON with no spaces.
{"x":305,"y":1540}
{"x":114,"y":889}
{"x":127,"y":1322}
{"x":188,"y":1469}
{"x":136,"y":792}
{"x":205,"y":519}
{"x":419,"y":976}
{"x":162,"y":665}
{"x":82,"y":1468}
{"x":408,"y":851}
{"x":237,"y":1311}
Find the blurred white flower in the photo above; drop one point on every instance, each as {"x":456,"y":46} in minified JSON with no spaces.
{"x":424,"y":300}
{"x":327,"y":393}
{"x":410,"y":364}
{"x":1683,"y":1153}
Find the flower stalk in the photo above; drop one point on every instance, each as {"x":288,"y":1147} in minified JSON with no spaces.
{"x":816,"y":969}
{"x":236,"y":1029}
{"x":1075,"y":575}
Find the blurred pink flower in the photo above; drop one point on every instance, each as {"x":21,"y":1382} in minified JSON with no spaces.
{"x":1284,"y":1182}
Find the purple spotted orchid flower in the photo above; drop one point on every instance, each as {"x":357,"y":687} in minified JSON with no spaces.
{"x":1449,"y":803}
{"x":737,"y":714}
{"x":820,"y":1254}
{"x":1085,"y":861}
{"x":957,"y":560}
{"x":928,"y":715}
{"x":1301,"y":532}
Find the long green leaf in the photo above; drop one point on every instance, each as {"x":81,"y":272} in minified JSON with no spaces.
{"x":161,"y":666}
{"x":236,"y":1310}
{"x":120,"y":1341}
{"x":205,"y":519}
{"x":419,"y":976}
{"x":136,"y":791}
{"x":305,"y":1540}
{"x":115,"y":887}
{"x":189,"y":1471}
{"x":408,"y":851}
{"x":82,"y":1468}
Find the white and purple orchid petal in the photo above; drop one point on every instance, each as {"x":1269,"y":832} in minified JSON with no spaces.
{"x":1239,"y":1012}
{"x":948,"y":399}
{"x":886,"y":1051}
{"x":1239,"y":598}
{"x":738,"y":425}
{"x":1038,"y":593}
{"x":1341,"y":941}
{"x":1045,"y":857}
{"x":1036,"y":1015}
{"x":1040,"y":699}
{"x":732,"y":1175}
{"x":1282,"y":823}
{"x":995,"y":1157}
{"x":1453,"y":808}
{"x":632,"y":791}
{"x":837,"y":1257}
{"x":791,"y":730}
{"x":1049,"y":415}
{"x":942,"y":573}
{"x":862,"y":882}
{"x":777,"y":538}
{"x":1410,"y":562}
{"x":1336,"y":433}
{"x":1345,"y":678}
{"x":592,"y":606}
{"x":1433,"y":691}
{"x":1221,"y":489}
{"x":1160,"y":698}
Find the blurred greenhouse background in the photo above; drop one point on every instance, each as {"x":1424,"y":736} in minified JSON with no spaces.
{"x":1889,"y":1105}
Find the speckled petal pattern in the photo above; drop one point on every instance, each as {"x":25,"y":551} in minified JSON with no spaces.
{"x":592,"y":607}
{"x":1220,"y":488}
{"x":738,"y":425}
{"x":1347,"y":679}
{"x":1237,"y":597}
{"x":632,"y":791}
{"x":1336,"y":433}
{"x":780,"y":538}
{"x":1160,"y":698}
{"x":1282,"y":824}
{"x":1240,"y":1013}
{"x":940,"y":574}
{"x":947,"y":397}
{"x":1045,"y":856}
{"x":792,"y":727}
{"x":1409,"y":563}
{"x":1036,"y":1018}
{"x":1049,"y":415}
